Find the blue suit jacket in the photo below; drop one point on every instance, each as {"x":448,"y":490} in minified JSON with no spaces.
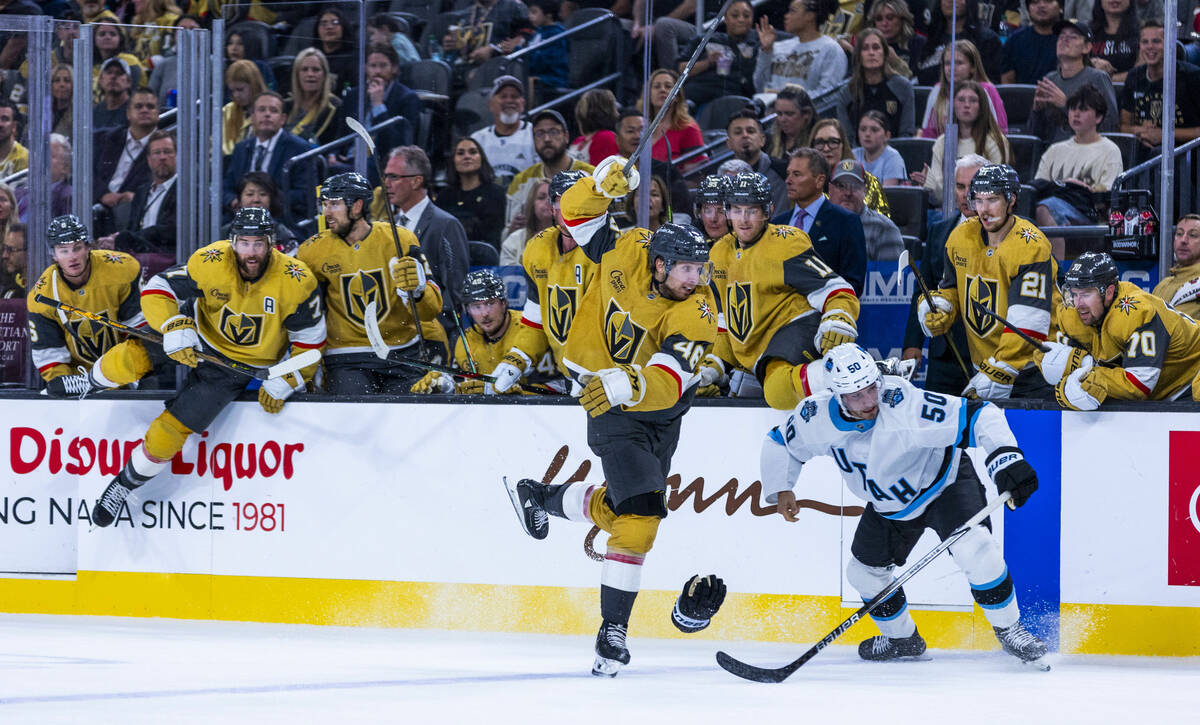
{"x":837,"y":236}
{"x":301,"y":184}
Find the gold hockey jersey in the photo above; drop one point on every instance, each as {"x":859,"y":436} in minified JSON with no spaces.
{"x":351,"y":275}
{"x":487,"y":353}
{"x":249,"y":322}
{"x":59,"y":342}
{"x":774,"y":281}
{"x":1152,"y":351}
{"x":1016,"y":280}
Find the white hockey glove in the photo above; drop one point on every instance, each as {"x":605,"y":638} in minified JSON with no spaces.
{"x":408,"y":276}
{"x":433,"y":382}
{"x":898,"y":367}
{"x":180,"y":341}
{"x":610,"y":178}
{"x":1063,"y":360}
{"x":937,"y":321}
{"x":836,"y":328}
{"x":712,"y":376}
{"x":1189,"y":292}
{"x":611,"y":387}
{"x":512,"y":366}
{"x":994,"y":381}
{"x":1080,"y":390}
{"x":276,"y":390}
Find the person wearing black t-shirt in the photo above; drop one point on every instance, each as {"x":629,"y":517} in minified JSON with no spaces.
{"x":1031,"y":50}
{"x":928,"y":67}
{"x":1141,"y":100}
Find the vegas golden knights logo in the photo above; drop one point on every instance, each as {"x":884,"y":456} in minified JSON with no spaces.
{"x":621,"y":334}
{"x":92,"y":338}
{"x":739,"y":312}
{"x":359,"y":289}
{"x":985,"y":292}
{"x":240,"y":328}
{"x":563,"y":301}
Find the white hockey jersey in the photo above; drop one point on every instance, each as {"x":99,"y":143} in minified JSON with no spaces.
{"x":898,"y":462}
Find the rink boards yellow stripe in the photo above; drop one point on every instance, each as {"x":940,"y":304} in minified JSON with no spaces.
{"x":1122,"y":629}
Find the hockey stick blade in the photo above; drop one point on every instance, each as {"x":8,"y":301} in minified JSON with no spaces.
{"x":358,"y":128}
{"x":371,"y":323}
{"x":293,"y":363}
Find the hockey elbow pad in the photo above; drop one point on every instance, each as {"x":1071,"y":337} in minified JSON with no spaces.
{"x":697,"y":603}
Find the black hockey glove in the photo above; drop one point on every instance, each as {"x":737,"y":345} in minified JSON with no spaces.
{"x":1011,"y":472}
{"x":698,"y":602}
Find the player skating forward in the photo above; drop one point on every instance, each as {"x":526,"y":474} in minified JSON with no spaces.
{"x":240,"y":299}
{"x":902,"y":450}
{"x":642,"y":329}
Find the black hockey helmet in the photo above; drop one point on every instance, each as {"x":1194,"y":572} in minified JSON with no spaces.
{"x":1093,"y":269}
{"x":252,"y":221}
{"x":750,"y":189}
{"x":996,"y":179}
{"x":677,"y":243}
{"x":66,"y":229}
{"x":482,"y":285}
{"x":349,"y":187}
{"x":712,"y":190}
{"x":562,"y":181}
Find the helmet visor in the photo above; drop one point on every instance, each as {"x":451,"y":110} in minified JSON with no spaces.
{"x":695,"y":274}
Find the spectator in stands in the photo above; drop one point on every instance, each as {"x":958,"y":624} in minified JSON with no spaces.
{"x":674,"y":25}
{"x":539,"y":215}
{"x":1181,"y":288}
{"x":658,"y":215}
{"x":13,"y":156}
{"x":745,"y":138}
{"x":267,"y":149}
{"x":13,"y":45}
{"x":877,"y":157}
{"x":407,"y":178}
{"x":508,"y":142}
{"x":848,"y":189}
{"x":472,"y":194}
{"x":235,"y":50}
{"x":597,"y":115}
{"x":1049,"y":118}
{"x":120,"y":160}
{"x":258,"y":190}
{"x":244,"y":83}
{"x":830,"y":140}
{"x":629,"y":134}
{"x":8,"y":207}
{"x":60,"y":180}
{"x":836,"y":234}
{"x":1142,"y":97}
{"x":387,"y":98}
{"x":810,"y":59}
{"x":1071,"y":170}
{"x":382,"y":29}
{"x":165,"y":77}
{"x":108,"y":41}
{"x":62,"y":102}
{"x":335,"y":37}
{"x":928,"y":67}
{"x":968,"y":66}
{"x":733,"y":167}
{"x":726,"y":68}
{"x":151,"y":225}
{"x":679,"y":132}
{"x":313,"y":112}
{"x":794,"y":118}
{"x":14,"y":253}
{"x":550,"y":141}
{"x":1115,"y":45}
{"x":894,"y":19}
{"x":110,"y":112}
{"x":152,"y":37}
{"x":1031,"y":52}
{"x":548,"y":66}
{"x":978,"y":132}
{"x":877,"y":83}
{"x":486,"y":29}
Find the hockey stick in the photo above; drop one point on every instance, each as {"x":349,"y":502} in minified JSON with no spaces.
{"x":448,"y":255}
{"x":766,"y":674}
{"x":357,"y":128}
{"x":278,"y":370}
{"x":980,"y":308}
{"x":905,"y":261}
{"x":538,"y":388}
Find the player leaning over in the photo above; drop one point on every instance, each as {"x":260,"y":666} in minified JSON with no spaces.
{"x":783,"y":306}
{"x":903,"y":451}
{"x":240,"y":299}
{"x":1003,"y":262}
{"x":640,"y":334}
{"x":1150,"y":351}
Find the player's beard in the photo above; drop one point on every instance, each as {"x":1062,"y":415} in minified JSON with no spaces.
{"x":340,"y":227}
{"x":247,"y":273}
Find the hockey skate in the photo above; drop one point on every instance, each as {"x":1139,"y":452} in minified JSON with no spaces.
{"x":73,"y":386}
{"x":611,"y":653}
{"x":526,"y":497}
{"x":1023,"y":644}
{"x":109,"y":506}
{"x":881,"y":648}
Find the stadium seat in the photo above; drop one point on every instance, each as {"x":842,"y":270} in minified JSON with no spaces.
{"x":920,"y":98}
{"x":914,"y":245}
{"x":281,"y":66}
{"x":916,"y":152}
{"x":715,"y":115}
{"x":483,"y":254}
{"x":1026,"y":152}
{"x":1128,"y":144}
{"x":429,"y":75}
{"x":471,"y":112}
{"x":257,"y":37}
{"x":597,"y":51}
{"x":906,"y":206}
{"x":1025,"y":202}
{"x":300,"y":36}
{"x":493,"y":68}
{"x":1018,"y":104}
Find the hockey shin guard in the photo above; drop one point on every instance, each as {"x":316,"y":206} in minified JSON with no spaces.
{"x":892,"y":616}
{"x":980,"y":558}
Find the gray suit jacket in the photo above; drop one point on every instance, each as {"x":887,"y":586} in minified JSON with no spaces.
{"x":444,"y":242}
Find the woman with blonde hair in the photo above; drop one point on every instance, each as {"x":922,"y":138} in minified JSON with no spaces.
{"x":878,"y":82}
{"x":794,"y":117}
{"x":312,"y":109}
{"x":978,"y":133}
{"x":149,"y":42}
{"x":968,"y":66}
{"x":678,"y":132}
{"x":895,"y":20}
{"x":597,"y":114}
{"x":244,"y":83}
{"x":830,"y":140}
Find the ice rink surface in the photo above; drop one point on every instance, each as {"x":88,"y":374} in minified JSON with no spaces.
{"x":58,"y":669}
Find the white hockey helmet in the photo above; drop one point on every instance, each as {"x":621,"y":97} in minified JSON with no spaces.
{"x":849,"y":369}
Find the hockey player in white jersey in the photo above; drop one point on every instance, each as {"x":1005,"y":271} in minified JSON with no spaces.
{"x":903,"y":451}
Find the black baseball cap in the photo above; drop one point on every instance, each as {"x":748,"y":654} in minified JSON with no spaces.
{"x":1077,"y":25}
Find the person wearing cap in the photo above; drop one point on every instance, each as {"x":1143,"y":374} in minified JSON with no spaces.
{"x":1030,"y":52}
{"x":508,"y":142}
{"x":848,"y":189}
{"x":550,"y":141}
{"x":115,"y":82}
{"x":1049,"y":118}
{"x":13,"y":156}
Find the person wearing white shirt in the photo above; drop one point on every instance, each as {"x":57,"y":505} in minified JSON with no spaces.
{"x":508,"y":142}
{"x":152,"y":224}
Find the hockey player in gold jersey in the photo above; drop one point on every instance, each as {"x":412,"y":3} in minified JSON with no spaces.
{"x":1004,"y":263}
{"x":1121,"y":341}
{"x":101,"y":281}
{"x":635,"y":348}
{"x":783,"y":306}
{"x":355,"y":263}
{"x":242,"y":300}
{"x":557,"y":272}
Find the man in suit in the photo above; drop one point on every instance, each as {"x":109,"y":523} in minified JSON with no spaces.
{"x":944,"y":374}
{"x":152,"y":223}
{"x":836,"y":234}
{"x":267,"y":149}
{"x":120,"y":164}
{"x":406,"y":180}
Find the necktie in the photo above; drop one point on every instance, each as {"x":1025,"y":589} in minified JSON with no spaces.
{"x":403,"y":220}
{"x":799,"y":217}
{"x":260,"y":155}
